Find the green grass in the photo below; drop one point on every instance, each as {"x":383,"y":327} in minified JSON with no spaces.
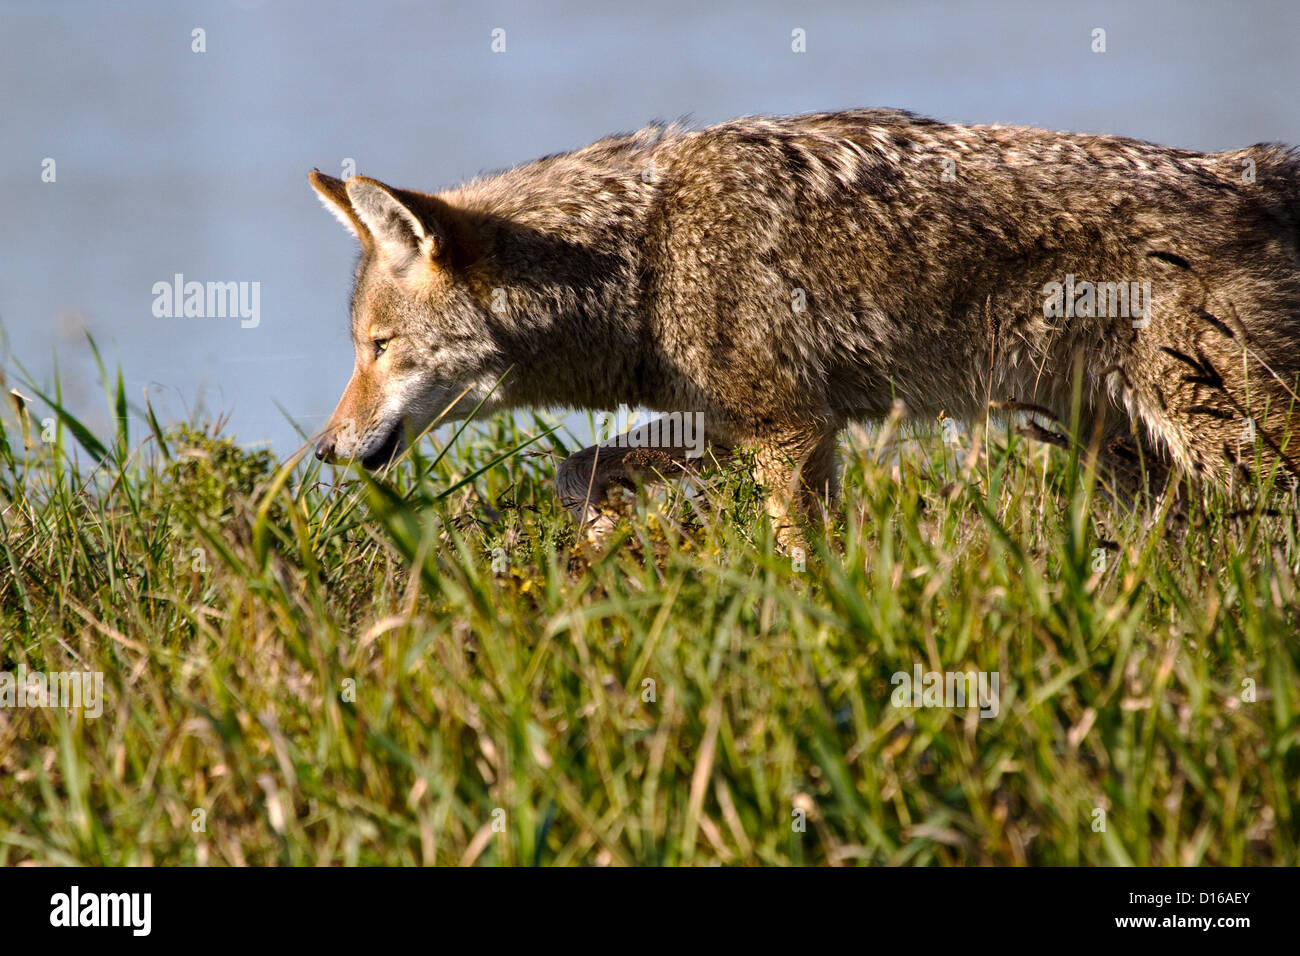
{"x":310,"y":667}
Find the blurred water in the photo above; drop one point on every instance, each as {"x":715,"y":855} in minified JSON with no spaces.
{"x":170,"y":161}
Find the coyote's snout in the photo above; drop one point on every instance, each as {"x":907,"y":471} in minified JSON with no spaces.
{"x":779,"y":277}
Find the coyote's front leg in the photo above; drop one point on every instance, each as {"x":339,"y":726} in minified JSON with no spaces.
{"x":799,"y":469}
{"x":584,"y":479}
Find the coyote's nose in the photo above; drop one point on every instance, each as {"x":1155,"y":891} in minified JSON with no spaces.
{"x":325,"y":448}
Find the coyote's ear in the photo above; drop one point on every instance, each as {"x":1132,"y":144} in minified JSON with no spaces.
{"x":402,"y":228}
{"x":334,"y":196}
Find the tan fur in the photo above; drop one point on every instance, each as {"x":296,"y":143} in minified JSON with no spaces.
{"x":660,"y":269}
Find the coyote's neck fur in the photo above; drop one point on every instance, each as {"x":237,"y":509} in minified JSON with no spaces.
{"x":564,"y":266}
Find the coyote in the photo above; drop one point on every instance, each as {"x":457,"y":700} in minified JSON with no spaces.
{"x":784,"y":276}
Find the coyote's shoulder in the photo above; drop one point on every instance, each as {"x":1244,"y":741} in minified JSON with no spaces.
{"x":784,"y":275}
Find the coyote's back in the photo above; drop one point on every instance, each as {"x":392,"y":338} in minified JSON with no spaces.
{"x":851,"y":259}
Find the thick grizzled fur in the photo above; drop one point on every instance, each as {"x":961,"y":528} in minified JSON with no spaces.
{"x":784,"y":276}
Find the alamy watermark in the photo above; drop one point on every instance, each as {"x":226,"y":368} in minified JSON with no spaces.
{"x":635,"y":429}
{"x":67,"y":689}
{"x":208,"y":300}
{"x":133,"y":911}
{"x":946,"y":689}
{"x":1114,"y":300}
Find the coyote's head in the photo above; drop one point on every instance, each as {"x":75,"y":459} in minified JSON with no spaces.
{"x":419,"y":324}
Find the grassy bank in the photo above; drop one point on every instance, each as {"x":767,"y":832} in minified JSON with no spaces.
{"x":305,"y":666}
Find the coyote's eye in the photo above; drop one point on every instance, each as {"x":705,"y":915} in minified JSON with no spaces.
{"x":380,"y":346}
